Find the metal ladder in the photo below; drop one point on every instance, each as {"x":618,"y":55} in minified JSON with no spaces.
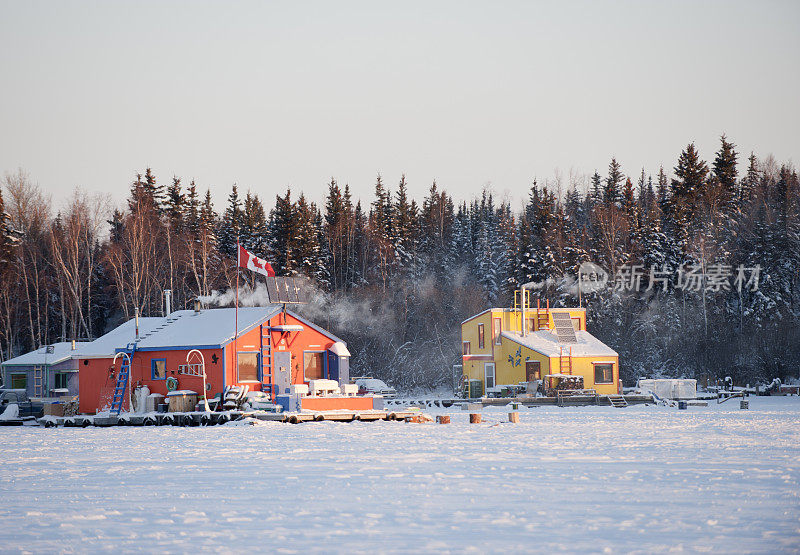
{"x":267,"y":385}
{"x":38,"y":382}
{"x":122,"y":385}
{"x":542,"y":315}
{"x":565,"y":364}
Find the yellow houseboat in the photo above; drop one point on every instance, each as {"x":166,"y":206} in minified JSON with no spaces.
{"x":498,"y":350}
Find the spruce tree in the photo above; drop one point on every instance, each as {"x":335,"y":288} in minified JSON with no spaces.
{"x":662,"y":190}
{"x":283,"y":235}
{"x":230,"y":224}
{"x":192,"y":210}
{"x":404,"y":226}
{"x":691,"y":176}
{"x":383,"y":255}
{"x":725,"y":169}
{"x":208,"y":217}
{"x":611,"y":193}
{"x":596,"y":193}
{"x":307,"y":251}
{"x":175,"y":206}
{"x":253,"y":232}
{"x":380,"y":213}
{"x":632,"y":211}
{"x":357,"y":262}
{"x":750,"y":181}
{"x":117,"y":225}
{"x":154,"y":190}
{"x":337,"y":226}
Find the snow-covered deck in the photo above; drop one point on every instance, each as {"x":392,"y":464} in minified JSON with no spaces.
{"x":642,"y":479}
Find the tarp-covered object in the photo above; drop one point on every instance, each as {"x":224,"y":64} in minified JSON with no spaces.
{"x":670,"y":388}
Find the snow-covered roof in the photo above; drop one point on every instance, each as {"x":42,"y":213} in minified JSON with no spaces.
{"x":106,"y":345}
{"x":547,"y":343}
{"x":182,"y":328}
{"x":207,"y":327}
{"x":340,"y":349}
{"x":61,"y":351}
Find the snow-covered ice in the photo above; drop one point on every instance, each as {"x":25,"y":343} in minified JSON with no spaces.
{"x":639,"y":479}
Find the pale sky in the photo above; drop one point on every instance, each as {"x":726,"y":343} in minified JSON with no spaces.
{"x":270,"y":94}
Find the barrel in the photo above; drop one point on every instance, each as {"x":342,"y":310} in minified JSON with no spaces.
{"x":182,"y":401}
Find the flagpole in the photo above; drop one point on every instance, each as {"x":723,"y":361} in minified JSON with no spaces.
{"x":236,"y":312}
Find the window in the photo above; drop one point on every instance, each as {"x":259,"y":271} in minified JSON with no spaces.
{"x":604,"y":373}
{"x":158,"y":368}
{"x":313,"y":366}
{"x":19,"y":381}
{"x":488,"y":374}
{"x":60,"y":381}
{"x":497,"y":328}
{"x":465,"y":347}
{"x":481,"y":344}
{"x":247,"y":367}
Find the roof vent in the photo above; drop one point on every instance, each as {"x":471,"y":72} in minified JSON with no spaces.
{"x":197,"y":305}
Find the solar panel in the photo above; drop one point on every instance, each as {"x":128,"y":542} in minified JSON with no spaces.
{"x":288,"y":290}
{"x":563,"y":328}
{"x":272,"y":289}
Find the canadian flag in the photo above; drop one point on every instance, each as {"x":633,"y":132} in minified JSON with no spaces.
{"x":252,"y":262}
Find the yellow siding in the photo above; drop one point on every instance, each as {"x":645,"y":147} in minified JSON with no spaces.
{"x":507,"y":371}
{"x":469,"y":332}
{"x":583,"y":366}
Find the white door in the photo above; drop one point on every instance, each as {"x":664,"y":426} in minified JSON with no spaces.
{"x":488,"y":374}
{"x":283,"y":363}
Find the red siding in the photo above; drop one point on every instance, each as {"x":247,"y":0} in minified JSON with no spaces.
{"x":297,"y":342}
{"x":94,"y":384}
{"x":95,"y":387}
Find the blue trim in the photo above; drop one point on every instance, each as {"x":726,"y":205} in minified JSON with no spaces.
{"x":324,"y":364}
{"x":153,"y":368}
{"x":315,"y":327}
{"x":269,"y":317}
{"x":176,"y":348}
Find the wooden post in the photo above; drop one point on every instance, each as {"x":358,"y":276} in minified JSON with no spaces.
{"x":474,"y":418}
{"x":443,"y":419}
{"x":513,"y":417}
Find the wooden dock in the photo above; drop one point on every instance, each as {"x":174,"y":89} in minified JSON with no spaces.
{"x":563,"y":401}
{"x":217,"y":418}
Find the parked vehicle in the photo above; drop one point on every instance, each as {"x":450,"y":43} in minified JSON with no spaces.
{"x":19,"y":397}
{"x":375,"y":387}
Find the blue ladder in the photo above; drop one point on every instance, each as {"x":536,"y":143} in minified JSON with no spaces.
{"x":266,"y":361}
{"x":122,"y":385}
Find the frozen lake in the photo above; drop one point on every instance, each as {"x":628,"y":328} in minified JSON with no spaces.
{"x":639,"y":479}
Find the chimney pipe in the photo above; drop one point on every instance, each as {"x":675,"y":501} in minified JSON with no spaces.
{"x":167,"y":302}
{"x":73,"y":344}
{"x":136,"y":317}
{"x":197,"y":305}
{"x":523,"y":303}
